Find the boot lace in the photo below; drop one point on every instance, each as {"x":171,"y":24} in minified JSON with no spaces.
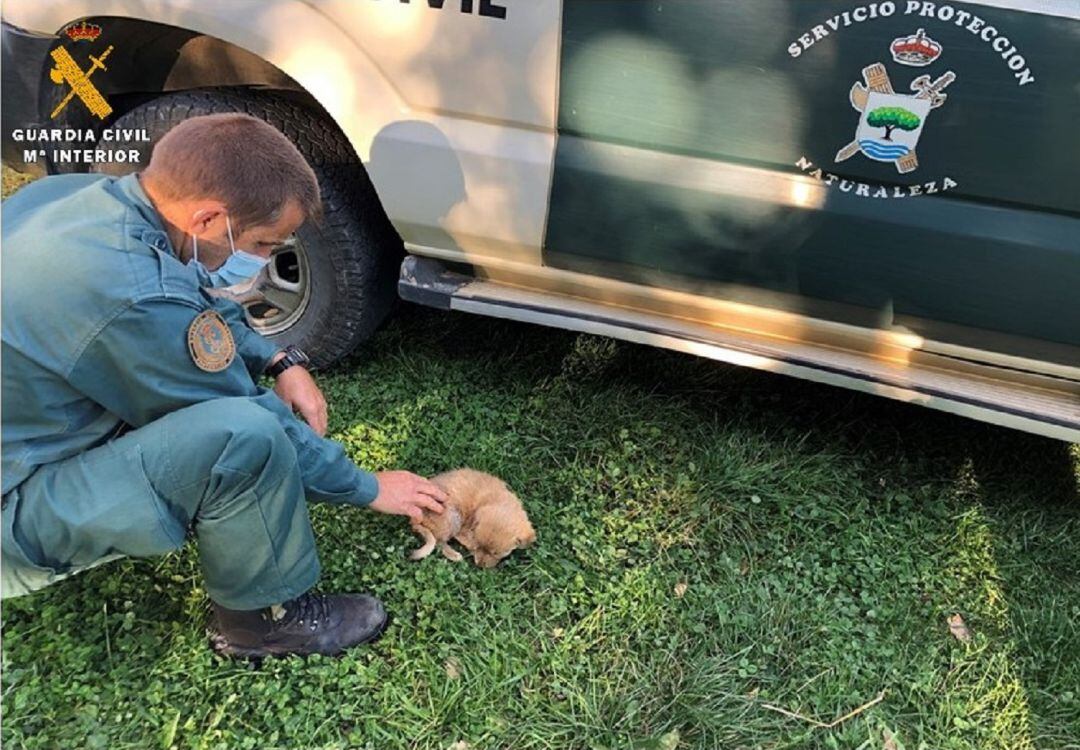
{"x":306,"y":610}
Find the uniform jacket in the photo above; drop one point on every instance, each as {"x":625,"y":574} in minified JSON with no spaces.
{"x":96,"y":309}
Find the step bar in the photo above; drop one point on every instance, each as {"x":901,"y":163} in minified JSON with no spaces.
{"x":1033,"y":402}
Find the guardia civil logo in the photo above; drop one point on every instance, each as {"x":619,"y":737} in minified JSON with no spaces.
{"x":68,"y":73}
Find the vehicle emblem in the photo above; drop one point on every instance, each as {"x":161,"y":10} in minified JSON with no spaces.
{"x":891,"y":123}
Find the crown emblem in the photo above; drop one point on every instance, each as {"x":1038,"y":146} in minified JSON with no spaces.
{"x":917,"y":49}
{"x":83,"y":31}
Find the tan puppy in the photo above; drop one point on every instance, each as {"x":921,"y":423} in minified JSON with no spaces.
{"x":482,"y":513}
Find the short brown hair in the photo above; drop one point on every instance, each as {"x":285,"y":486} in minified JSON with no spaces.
{"x":246,"y":163}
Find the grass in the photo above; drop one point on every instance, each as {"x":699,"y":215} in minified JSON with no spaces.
{"x":718,"y":549}
{"x":10,"y":181}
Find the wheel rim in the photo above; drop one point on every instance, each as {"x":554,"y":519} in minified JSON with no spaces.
{"x":281,"y":293}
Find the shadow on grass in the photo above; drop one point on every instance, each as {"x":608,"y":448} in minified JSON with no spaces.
{"x":819,"y":415}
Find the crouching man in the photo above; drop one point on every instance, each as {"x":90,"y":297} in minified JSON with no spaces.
{"x":131,"y":408}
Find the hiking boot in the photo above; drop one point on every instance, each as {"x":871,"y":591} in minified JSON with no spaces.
{"x":309,"y":624}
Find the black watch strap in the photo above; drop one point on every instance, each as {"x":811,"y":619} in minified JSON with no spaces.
{"x":293,"y":356}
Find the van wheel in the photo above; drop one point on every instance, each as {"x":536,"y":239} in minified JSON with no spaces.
{"x":334,"y":282}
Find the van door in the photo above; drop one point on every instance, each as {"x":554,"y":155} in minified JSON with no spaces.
{"x":897,"y":165}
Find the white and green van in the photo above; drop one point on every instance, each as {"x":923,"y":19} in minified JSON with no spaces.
{"x":881,"y":195}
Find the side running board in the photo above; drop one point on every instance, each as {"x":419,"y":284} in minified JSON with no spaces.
{"x":1033,"y":402}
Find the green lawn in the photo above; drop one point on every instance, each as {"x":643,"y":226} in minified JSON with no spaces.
{"x":717,"y":546}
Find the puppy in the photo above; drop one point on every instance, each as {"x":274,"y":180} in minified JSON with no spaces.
{"x":482,"y":513}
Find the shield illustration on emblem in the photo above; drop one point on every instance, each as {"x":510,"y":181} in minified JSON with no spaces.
{"x":890,"y":125}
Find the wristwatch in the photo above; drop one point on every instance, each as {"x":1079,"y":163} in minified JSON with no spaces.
{"x":294,"y":355}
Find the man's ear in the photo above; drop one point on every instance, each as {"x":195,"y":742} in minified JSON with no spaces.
{"x":204,"y":216}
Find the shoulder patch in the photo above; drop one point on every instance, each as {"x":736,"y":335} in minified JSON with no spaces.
{"x":210,"y":342}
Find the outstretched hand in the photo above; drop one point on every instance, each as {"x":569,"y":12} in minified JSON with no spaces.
{"x":403,"y":493}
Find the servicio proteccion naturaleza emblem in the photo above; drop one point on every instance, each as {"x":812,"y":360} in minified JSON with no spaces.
{"x":210,"y":342}
{"x":890,"y":122}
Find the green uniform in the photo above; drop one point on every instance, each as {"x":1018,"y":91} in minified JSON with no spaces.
{"x":96,"y":316}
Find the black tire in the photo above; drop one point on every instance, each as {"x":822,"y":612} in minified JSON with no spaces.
{"x":353,"y":254}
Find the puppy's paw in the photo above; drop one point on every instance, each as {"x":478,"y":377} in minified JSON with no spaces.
{"x":450,"y":553}
{"x":420,"y":554}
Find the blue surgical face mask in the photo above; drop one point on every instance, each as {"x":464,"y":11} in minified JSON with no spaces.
{"x":238,"y":268}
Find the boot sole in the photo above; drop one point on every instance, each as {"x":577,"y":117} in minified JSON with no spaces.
{"x":224,"y":648}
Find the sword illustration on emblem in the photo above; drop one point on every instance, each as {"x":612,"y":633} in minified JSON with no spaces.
{"x":891,"y":123}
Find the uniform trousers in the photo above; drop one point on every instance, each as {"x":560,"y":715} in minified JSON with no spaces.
{"x":222,"y":469}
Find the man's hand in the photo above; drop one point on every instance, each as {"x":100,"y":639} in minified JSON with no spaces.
{"x":403,"y":493}
{"x":297,"y":388}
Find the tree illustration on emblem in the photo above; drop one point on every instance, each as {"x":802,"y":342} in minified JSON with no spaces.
{"x":891,"y":118}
